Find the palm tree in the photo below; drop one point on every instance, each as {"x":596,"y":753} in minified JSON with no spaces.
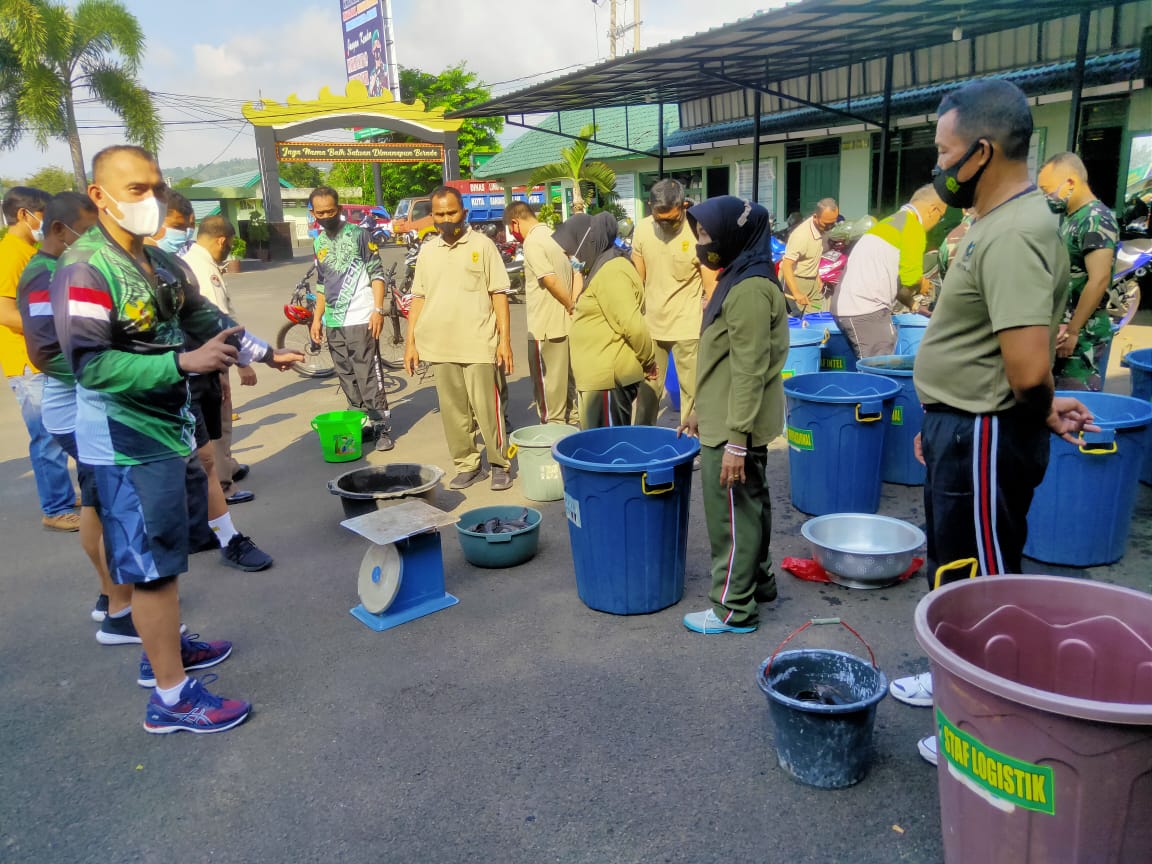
{"x":584,"y":176}
{"x":48,"y":51}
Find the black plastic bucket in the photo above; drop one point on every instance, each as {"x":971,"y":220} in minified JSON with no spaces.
{"x":823,"y":704}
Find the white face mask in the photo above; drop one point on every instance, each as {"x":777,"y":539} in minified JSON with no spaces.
{"x":141,"y":218}
{"x":38,"y":231}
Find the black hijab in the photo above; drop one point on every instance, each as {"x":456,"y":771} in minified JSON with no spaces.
{"x":589,"y":239}
{"x":741,"y":232}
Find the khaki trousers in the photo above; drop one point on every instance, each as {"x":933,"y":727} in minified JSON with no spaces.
{"x":467,"y":390}
{"x":684,"y":353}
{"x":551,"y":369}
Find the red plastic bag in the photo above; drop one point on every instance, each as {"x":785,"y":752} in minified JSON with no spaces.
{"x":810,"y":571}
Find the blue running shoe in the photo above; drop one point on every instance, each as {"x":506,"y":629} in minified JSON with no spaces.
{"x":196,"y":655}
{"x":197,"y":711}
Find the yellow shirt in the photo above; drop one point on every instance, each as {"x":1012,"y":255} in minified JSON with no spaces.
{"x":458,"y":321}
{"x":673,"y":289}
{"x":547,"y":318}
{"x":14,"y":257}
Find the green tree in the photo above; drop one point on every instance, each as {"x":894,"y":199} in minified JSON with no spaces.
{"x":302,"y":174}
{"x":574,"y":167}
{"x":49,"y":50}
{"x":52,"y":179}
{"x":185,"y":182}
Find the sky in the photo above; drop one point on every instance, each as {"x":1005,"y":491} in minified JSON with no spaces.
{"x":208,"y":55}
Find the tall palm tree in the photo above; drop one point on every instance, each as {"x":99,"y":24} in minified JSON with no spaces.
{"x":573,"y":167}
{"x":48,"y":51}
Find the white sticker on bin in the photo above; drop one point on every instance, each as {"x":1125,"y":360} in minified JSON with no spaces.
{"x":572,"y":510}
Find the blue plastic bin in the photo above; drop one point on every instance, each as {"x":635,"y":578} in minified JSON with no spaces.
{"x":900,"y":463}
{"x":1081,"y":512}
{"x":909,"y":331}
{"x":837,"y":355}
{"x":803,"y":352}
{"x":1139,"y":365}
{"x":672,"y":384}
{"x":836,"y":430}
{"x":627,"y":491}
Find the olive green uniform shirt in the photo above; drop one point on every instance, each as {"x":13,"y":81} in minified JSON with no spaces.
{"x":1010,"y":270}
{"x":458,"y":321}
{"x":739,"y":388}
{"x":609,"y":340}
{"x":673,"y":288}
{"x":547,"y":318}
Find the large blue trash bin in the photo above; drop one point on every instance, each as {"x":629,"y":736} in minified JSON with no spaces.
{"x":909,"y":331}
{"x":837,"y":355}
{"x":627,"y":491}
{"x":900,"y":463}
{"x":1081,"y":512}
{"x":836,"y":430}
{"x":803,"y":351}
{"x":672,"y":384}
{"x":1139,"y":365}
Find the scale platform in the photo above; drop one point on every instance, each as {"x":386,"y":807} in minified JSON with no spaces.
{"x":402,"y":573}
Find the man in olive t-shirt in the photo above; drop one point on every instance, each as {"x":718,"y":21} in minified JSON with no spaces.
{"x":800,"y":266}
{"x":675,"y":288}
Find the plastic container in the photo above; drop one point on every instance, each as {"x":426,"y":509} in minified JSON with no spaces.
{"x":836,"y":429}
{"x":362,"y":490}
{"x":672,"y":384}
{"x":499,"y":550}
{"x":627,"y":491}
{"x":1139,"y":365}
{"x":1043,"y":709}
{"x":900,"y":464}
{"x":803,"y":352}
{"x":909,"y":331}
{"x":539,"y":474}
{"x":1081,"y":512}
{"x":837,"y":355}
{"x":339,"y":433}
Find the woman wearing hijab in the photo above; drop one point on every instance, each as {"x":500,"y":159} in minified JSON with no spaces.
{"x":612,"y":352}
{"x":739,"y":408}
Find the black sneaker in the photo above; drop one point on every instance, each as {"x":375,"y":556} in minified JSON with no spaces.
{"x":243,"y":554}
{"x":121,"y":631}
{"x":240,"y":473}
{"x":466,"y":478}
{"x":384,"y":440}
{"x":100,"y":610}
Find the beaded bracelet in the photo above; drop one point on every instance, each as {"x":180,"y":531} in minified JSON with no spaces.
{"x":735,"y":450}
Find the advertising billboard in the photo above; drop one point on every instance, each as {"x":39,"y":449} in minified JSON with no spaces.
{"x":366,"y":43}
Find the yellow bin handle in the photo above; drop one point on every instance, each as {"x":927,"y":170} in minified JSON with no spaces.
{"x":660,"y":486}
{"x":870,"y":415}
{"x":512,"y":451}
{"x":971,"y":563}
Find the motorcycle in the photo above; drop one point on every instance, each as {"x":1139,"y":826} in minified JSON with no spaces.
{"x":841,"y":239}
{"x":512,"y":253}
{"x":296,"y":335}
{"x":394,"y":333}
{"x":1133,"y":263}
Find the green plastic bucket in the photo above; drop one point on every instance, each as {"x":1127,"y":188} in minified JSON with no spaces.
{"x":539,"y":474}
{"x":339,"y":433}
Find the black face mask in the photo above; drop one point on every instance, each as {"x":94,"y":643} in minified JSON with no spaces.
{"x":952,"y":190}
{"x":708,"y":256}
{"x":451,"y":231}
{"x":331,"y":224}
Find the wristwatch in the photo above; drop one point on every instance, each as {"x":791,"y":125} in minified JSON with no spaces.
{"x":379,"y":310}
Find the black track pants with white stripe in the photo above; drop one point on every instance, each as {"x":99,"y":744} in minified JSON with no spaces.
{"x":981,"y":472}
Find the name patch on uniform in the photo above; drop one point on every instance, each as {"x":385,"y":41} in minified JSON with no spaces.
{"x":800,"y":439}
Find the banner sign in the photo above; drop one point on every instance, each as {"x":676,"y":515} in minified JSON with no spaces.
{"x":365,"y":44}
{"x":301,"y":151}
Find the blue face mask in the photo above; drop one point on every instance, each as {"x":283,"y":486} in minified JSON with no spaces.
{"x":174,"y":240}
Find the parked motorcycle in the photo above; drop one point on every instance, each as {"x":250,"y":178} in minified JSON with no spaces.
{"x":296,"y":335}
{"x":841,"y":239}
{"x":512,"y":253}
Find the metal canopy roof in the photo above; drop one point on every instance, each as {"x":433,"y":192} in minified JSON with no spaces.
{"x":784,"y":43}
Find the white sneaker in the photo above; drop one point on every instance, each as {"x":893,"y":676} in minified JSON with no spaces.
{"x":927,"y":748}
{"x":913,"y":690}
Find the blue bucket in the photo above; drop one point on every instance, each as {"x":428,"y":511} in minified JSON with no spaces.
{"x":672,"y":384}
{"x":837,"y":355}
{"x":900,"y":463}
{"x":803,"y":352}
{"x":627,"y":491}
{"x":909,"y":331}
{"x":1081,"y":512}
{"x":1139,"y":366}
{"x":836,"y":429}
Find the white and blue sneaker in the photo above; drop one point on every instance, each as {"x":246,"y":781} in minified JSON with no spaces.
{"x":707,"y":622}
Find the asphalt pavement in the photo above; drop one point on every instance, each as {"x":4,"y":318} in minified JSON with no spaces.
{"x":517,"y":726}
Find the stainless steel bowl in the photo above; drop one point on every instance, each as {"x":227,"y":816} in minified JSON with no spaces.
{"x":862,"y":550}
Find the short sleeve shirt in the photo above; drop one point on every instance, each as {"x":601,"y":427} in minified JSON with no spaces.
{"x":1010,"y":270}
{"x":1089,"y":228}
{"x":889,"y":255}
{"x":458,"y":321}
{"x":547,"y":318}
{"x":673,"y":289}
{"x":14,"y":257}
{"x":805,"y":246}
{"x":345,"y":268}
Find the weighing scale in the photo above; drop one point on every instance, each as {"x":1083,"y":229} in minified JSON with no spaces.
{"x":402,"y":574}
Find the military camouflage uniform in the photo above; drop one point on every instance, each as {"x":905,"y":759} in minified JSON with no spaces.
{"x":1090,"y":228}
